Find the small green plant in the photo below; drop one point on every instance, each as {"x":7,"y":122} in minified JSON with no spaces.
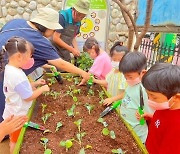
{"x":67,"y":144}
{"x":51,"y":81}
{"x":105,"y":131}
{"x":112,"y":134}
{"x":90,"y":92}
{"x":44,"y":142}
{"x":53,"y":93}
{"x":82,"y":151}
{"x":101,"y":96}
{"x":75,"y":99}
{"x":84,"y":61}
{"x":58,"y":125}
{"x":89,"y":107}
{"x":76,"y":91}
{"x":70,"y":112}
{"x":76,"y":80}
{"x":43,"y":107}
{"x":46,"y":117}
{"x":101,"y":120}
{"x":118,"y":151}
{"x":80,"y":134}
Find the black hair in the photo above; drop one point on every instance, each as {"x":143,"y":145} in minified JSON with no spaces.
{"x":12,"y":46}
{"x":163,"y":78}
{"x":89,"y":43}
{"x":133,"y":62}
{"x":40,"y":27}
{"x":118,"y":47}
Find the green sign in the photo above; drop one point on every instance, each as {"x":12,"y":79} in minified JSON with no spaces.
{"x":94,"y":4}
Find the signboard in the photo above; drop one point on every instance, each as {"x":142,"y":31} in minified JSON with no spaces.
{"x":95,"y":24}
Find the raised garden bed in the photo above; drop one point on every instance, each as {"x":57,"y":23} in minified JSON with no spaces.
{"x":80,"y":130}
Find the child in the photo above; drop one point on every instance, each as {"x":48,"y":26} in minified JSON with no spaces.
{"x":17,"y":89}
{"x":11,"y":124}
{"x":115,"y":81}
{"x":133,"y":66}
{"x":162,"y":83}
{"x":102,"y":62}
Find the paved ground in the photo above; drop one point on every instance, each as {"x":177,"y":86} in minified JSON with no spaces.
{"x":4,"y":147}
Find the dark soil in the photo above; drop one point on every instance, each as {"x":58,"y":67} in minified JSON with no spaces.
{"x":100,"y":144}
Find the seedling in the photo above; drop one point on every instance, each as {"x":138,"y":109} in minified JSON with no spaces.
{"x":44,"y":142}
{"x":89,"y":107}
{"x":105,"y":131}
{"x":58,"y":125}
{"x":51,"y":80}
{"x":90,"y":92}
{"x":76,"y":91}
{"x":67,"y":144}
{"x":118,"y":151}
{"x":112,"y":134}
{"x":46,"y":117}
{"x":53,"y":93}
{"x":43,"y":107}
{"x":80,"y":134}
{"x":76,"y":81}
{"x":101,"y":96}
{"x":70,"y":112}
{"x":101,"y":120}
{"x":82,"y":151}
{"x":75,"y":99}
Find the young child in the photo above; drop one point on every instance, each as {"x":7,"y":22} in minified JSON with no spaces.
{"x":11,"y":124}
{"x":162,"y":83}
{"x":17,"y":89}
{"x":115,"y":81}
{"x":102,"y":62}
{"x":133,"y":66}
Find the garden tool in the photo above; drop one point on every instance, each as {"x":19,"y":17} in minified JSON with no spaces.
{"x":140,"y":109}
{"x":90,"y":82}
{"x":110,"y":108}
{"x":56,"y":75}
{"x":34,"y":125}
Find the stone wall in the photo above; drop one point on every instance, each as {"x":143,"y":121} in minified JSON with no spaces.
{"x":27,"y":9}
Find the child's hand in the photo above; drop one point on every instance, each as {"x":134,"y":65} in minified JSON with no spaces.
{"x":40,"y":82}
{"x":145,"y":115}
{"x":82,"y":82}
{"x":107,"y":101}
{"x":45,"y":88}
{"x":12,"y":124}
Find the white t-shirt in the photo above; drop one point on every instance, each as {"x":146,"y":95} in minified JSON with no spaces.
{"x":16,"y":88}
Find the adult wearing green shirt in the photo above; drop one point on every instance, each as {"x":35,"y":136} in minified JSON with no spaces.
{"x":70,"y":19}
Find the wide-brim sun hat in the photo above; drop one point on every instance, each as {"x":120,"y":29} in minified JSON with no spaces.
{"x":48,"y":18}
{"x":82,"y":6}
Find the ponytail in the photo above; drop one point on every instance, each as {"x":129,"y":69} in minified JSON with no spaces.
{"x":118,"y":47}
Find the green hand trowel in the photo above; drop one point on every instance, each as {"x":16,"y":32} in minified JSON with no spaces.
{"x":110,"y":108}
{"x":34,"y":125}
{"x":140,"y":109}
{"x":90,"y":82}
{"x":56,"y":75}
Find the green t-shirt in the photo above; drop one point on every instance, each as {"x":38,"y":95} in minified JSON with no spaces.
{"x":129,"y":107}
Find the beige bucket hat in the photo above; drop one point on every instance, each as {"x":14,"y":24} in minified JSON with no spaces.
{"x":82,"y":6}
{"x":48,"y":18}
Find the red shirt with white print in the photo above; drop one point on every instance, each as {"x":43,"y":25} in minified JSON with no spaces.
{"x":164,"y":133}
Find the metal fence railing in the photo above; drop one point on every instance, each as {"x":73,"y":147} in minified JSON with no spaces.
{"x":160,"y":52}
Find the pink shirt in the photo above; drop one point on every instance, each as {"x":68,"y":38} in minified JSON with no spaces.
{"x":101,"y":66}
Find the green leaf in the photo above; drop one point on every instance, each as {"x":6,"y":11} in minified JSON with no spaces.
{"x":75,"y":99}
{"x":83,"y":134}
{"x":82,"y":151}
{"x":47,"y":131}
{"x":117,"y":151}
{"x":43,"y":107}
{"x":101,"y":120}
{"x":78,"y":136}
{"x":48,"y":151}
{"x":88,"y":147}
{"x":44,"y":140}
{"x":78,"y":123}
{"x":105,"y":124}
{"x":58,"y":125}
{"x":62,"y":143}
{"x":70,"y":112}
{"x":105,"y":131}
{"x":68,"y":144}
{"x":89,"y":107}
{"x":112,"y":134}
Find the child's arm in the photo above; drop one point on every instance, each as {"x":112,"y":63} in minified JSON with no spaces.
{"x":37,"y":83}
{"x":37,"y":92}
{"x":101,"y":82}
{"x":108,"y":101}
{"x":11,"y":124}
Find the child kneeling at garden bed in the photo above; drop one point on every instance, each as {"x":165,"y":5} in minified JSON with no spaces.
{"x":162,"y":83}
{"x":17,"y":89}
{"x":133,"y":66}
{"x":115,"y":81}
